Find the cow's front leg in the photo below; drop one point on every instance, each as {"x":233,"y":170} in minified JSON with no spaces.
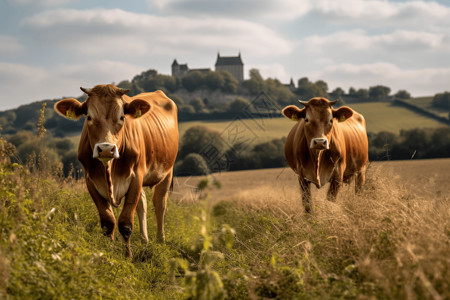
{"x":306,"y":193}
{"x":107,"y":219}
{"x":142,"y":215}
{"x":335,"y":185}
{"x":126,"y":217}
{"x":160,"y":202}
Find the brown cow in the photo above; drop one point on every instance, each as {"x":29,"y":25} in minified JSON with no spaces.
{"x":126,"y":143}
{"x":326,"y":145}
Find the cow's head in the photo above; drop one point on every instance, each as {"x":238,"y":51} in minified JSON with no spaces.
{"x":106,"y":113}
{"x":319,"y":117}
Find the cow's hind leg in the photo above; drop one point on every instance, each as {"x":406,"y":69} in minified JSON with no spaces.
{"x":306,"y":193}
{"x":141,"y":210}
{"x":360,"y":180}
{"x":160,"y":202}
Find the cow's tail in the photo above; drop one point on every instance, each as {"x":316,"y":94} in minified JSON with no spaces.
{"x":111,"y":198}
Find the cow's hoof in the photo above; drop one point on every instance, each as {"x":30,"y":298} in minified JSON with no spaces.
{"x":107,"y":228}
{"x":126,"y":231}
{"x":128,"y":252}
{"x":160,"y":238}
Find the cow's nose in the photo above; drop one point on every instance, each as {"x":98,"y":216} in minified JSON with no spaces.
{"x":319,"y":143}
{"x":105,"y":151}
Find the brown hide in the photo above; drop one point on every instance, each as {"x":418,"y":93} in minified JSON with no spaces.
{"x":346,"y":156}
{"x":148,"y":149}
{"x":144,"y":132}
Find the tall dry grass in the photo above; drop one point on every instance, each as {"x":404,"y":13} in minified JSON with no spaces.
{"x":385,"y":242}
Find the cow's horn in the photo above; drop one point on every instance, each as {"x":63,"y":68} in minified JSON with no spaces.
{"x":86,"y":91}
{"x":123,"y":92}
{"x":333,"y":102}
{"x":304,"y":103}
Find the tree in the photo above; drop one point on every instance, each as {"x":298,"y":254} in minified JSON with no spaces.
{"x":199,"y":138}
{"x":255,"y":84}
{"x":338,"y":92}
{"x":322,"y":85}
{"x":187,"y":109}
{"x":363,"y":94}
{"x":442,"y":100}
{"x":306,"y":89}
{"x":125,"y":84}
{"x":239,"y":105}
{"x":379,"y":92}
{"x":215,"y":80}
{"x":352,"y":91}
{"x":192,"y":165}
{"x":193,"y":80}
{"x":403,"y":94}
{"x":197,"y":104}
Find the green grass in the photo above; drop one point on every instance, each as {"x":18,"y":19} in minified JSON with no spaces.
{"x":383,"y":116}
{"x":385,"y":243}
{"x":425,"y":104}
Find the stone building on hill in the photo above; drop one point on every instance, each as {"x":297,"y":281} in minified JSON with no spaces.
{"x":232,"y":64}
{"x":179,"y":71}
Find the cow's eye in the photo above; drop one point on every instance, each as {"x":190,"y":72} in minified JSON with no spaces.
{"x":331,"y":121}
{"x":89,"y":118}
{"x":306,"y":120}
{"x":122,"y":118}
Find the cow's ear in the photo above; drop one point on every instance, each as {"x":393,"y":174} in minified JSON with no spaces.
{"x":70,"y":108}
{"x":293,"y":112}
{"x":343,"y":113}
{"x":136,"y":108}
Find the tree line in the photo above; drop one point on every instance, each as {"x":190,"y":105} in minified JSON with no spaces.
{"x":193,"y":158}
{"x":25,"y":117}
{"x":196,"y":157}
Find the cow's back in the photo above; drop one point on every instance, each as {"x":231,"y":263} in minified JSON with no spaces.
{"x":356,"y":147}
{"x":155,"y":134}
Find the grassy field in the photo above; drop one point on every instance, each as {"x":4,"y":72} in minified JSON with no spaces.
{"x":250,"y":239}
{"x":425,"y":104}
{"x":380,"y":116}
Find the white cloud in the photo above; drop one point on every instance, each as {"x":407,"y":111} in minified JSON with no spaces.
{"x":40,"y":2}
{"x":357,"y":40}
{"x":419,"y":82}
{"x":281,"y":9}
{"x":9,"y":44}
{"x":117,"y":32}
{"x":271,"y":71}
{"x":64,"y":80}
{"x":379,"y":13}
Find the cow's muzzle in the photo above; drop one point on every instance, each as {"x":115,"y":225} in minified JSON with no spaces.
{"x":320,"y":144}
{"x":105,"y":152}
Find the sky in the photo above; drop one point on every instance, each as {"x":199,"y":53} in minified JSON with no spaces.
{"x":49,"y":48}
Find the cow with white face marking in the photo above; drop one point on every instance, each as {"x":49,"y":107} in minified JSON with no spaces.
{"x":326,"y":145}
{"x":126,"y":143}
